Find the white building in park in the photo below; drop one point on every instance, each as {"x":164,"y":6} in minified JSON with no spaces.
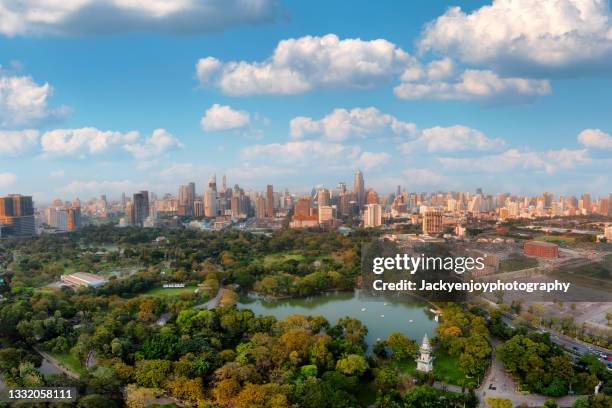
{"x":425,"y":360}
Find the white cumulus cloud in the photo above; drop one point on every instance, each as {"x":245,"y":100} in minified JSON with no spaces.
{"x":342,"y":124}
{"x":88,"y":140}
{"x":595,"y":139}
{"x":514,"y":159}
{"x":16,"y":142}
{"x":222,"y":117}
{"x":301,"y":64}
{"x":76,"y":17}
{"x":302,"y":152}
{"x":471,"y":84}
{"x":371,"y":160}
{"x":523,"y":35}
{"x":23,"y":102}
{"x":452,"y":139}
{"x":158,"y":143}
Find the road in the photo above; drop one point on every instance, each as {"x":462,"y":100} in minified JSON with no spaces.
{"x":212,"y":303}
{"x":505,"y":387}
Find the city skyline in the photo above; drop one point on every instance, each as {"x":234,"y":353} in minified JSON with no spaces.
{"x":286,"y":95}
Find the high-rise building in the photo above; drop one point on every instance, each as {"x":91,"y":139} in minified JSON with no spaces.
{"x":140,"y":208}
{"x":73,"y":219}
{"x":302,"y":207}
{"x":323,"y":197}
{"x":586,"y":203}
{"x":372,"y":215}
{"x":223,"y":184}
{"x":372,"y":197}
{"x":17,"y":215}
{"x":186,"y":199}
{"x":198,"y":208}
{"x":432,"y":222}
{"x":210,"y":203}
{"x":359,"y":188}
{"x":260,"y":207}
{"x":327,"y":213}
{"x":269,"y":201}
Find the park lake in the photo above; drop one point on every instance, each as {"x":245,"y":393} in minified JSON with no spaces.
{"x":381,"y":316}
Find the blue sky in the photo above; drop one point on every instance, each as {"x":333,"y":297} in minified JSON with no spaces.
{"x":104,"y":97}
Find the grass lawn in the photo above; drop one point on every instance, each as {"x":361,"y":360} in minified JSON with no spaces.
{"x":555,"y":239}
{"x":69,"y":361}
{"x":280,"y":257}
{"x":516,"y":263}
{"x":446,"y":369}
{"x":170,"y":291}
{"x":405,"y":366}
{"x":272,"y":259}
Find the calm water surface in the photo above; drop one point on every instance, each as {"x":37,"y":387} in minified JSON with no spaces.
{"x":382,"y":316}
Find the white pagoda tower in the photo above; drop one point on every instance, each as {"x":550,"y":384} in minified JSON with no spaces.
{"x":425,"y":360}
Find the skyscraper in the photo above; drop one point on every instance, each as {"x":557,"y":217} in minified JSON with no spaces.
{"x":186,"y":199}
{"x":74,"y":219}
{"x":432,"y":222}
{"x":269,"y":201}
{"x":140,"y":208}
{"x":372,"y":215}
{"x":17,"y":215}
{"x":260,"y":207}
{"x":359,"y":188}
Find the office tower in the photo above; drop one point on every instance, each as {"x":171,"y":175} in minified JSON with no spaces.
{"x":210,"y":203}
{"x":223,"y":184}
{"x":123,"y":200}
{"x":235,"y":205}
{"x":610,"y":204}
{"x":548,"y":199}
{"x":479,"y":190}
{"x":372,"y":197}
{"x":129,"y":213}
{"x":359,"y":188}
{"x":17,"y":215}
{"x":398,"y":192}
{"x":140,"y":208}
{"x":302,"y":207}
{"x":327,"y":213}
{"x":323,"y":197}
{"x":604,"y":206}
{"x":198,"y":208}
{"x":269,"y":201}
{"x":73,"y":219}
{"x":476,"y":204}
{"x":260,"y":207}
{"x":344,"y":203}
{"x":586,"y":203}
{"x":186,"y":199}
{"x":57,"y":217}
{"x":372,"y":215}
{"x":432,"y":222}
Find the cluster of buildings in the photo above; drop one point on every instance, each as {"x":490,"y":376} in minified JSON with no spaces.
{"x":62,"y":217}
{"x":217,"y":207}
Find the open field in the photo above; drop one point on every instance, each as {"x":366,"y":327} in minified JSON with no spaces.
{"x":555,"y":239}
{"x":272,"y":259}
{"x":170,"y":291}
{"x":446,"y":369}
